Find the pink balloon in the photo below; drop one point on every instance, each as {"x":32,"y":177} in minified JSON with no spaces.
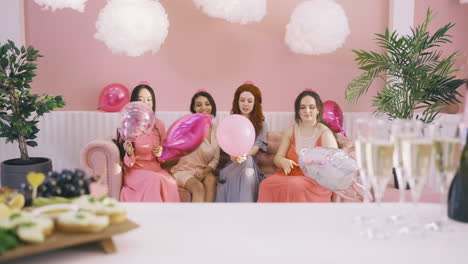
{"x":113,"y":97}
{"x":136,"y":119}
{"x":235,"y":135}
{"x":333,"y":116}
{"x":185,"y":135}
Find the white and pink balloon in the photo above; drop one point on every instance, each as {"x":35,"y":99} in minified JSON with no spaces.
{"x":136,"y":119}
{"x":332,"y":168}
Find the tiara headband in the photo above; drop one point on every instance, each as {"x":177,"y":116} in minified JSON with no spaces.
{"x":201,"y":90}
{"x":144,"y":83}
{"x":309,"y":90}
{"x":248,"y":82}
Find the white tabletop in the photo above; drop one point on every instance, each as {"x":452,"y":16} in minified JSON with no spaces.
{"x":264,"y":233}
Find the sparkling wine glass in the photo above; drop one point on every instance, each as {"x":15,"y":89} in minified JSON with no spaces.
{"x":361,"y":137}
{"x":379,"y":157}
{"x":379,"y":162}
{"x":401,"y":129}
{"x":447,"y":146}
{"x":417,"y":155}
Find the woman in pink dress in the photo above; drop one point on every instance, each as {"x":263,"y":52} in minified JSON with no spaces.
{"x":194,"y":172}
{"x":143,"y":178}
{"x":290,"y":184}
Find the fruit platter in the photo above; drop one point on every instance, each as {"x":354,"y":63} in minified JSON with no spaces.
{"x":57,"y":212}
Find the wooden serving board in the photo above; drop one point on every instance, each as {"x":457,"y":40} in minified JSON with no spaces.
{"x":64,"y":239}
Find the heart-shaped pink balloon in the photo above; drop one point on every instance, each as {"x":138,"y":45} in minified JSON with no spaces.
{"x":333,"y":116}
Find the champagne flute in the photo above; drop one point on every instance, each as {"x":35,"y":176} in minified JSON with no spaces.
{"x":417,"y":160}
{"x":447,"y":145}
{"x":379,"y":157}
{"x":379,"y":161}
{"x":401,"y":129}
{"x":362,"y":134}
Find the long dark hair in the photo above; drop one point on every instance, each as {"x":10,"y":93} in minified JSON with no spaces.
{"x":210,"y":99}
{"x":136,"y":92}
{"x":133,"y":98}
{"x":318,"y":104}
{"x":256,"y":116}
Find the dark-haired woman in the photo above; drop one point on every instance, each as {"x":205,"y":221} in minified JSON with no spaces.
{"x":290,"y":184}
{"x":143,"y":178}
{"x":194,"y":172}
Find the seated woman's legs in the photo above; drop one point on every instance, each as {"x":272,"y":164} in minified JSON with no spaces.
{"x":209,"y":183}
{"x":197,"y":189}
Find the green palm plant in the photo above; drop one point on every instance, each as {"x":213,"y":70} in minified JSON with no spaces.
{"x":416,"y":76}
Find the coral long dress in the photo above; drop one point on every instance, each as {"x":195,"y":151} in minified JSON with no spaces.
{"x":295,"y":187}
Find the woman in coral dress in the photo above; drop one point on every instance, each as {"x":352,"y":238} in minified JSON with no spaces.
{"x":290,"y":184}
{"x":143,"y":178}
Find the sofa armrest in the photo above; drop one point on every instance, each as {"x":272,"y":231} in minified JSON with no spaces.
{"x":101,"y":157}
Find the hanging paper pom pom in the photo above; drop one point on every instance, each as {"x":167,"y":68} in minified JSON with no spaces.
{"x":317,"y":27}
{"x":132,"y":27}
{"x":77,"y":5}
{"x":234,"y":11}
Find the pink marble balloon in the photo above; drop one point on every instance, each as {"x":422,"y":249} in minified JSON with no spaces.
{"x":333,"y":116}
{"x":185,"y":135}
{"x":113,"y":97}
{"x":136,"y":119}
{"x":332,"y":168}
{"x":235,"y":135}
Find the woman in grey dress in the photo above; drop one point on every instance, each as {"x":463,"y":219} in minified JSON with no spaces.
{"x":239,"y":179}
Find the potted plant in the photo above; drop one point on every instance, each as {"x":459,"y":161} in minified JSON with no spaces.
{"x":418,"y":81}
{"x":20,"y":111}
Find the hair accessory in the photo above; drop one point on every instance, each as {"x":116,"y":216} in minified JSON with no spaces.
{"x":309,"y":90}
{"x":248,"y":82}
{"x":144,"y":82}
{"x":200,"y":90}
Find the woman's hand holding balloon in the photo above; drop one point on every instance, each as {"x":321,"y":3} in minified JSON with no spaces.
{"x":157,"y":151}
{"x":128,"y":147}
{"x":239,"y":159}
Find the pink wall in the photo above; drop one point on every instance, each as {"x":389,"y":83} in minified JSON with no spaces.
{"x":202,"y":52}
{"x":445,"y":12}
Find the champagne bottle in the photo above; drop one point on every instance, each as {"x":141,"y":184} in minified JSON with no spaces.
{"x":458,"y":193}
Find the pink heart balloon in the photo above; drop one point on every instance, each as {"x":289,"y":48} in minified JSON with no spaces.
{"x":333,"y":116}
{"x":235,"y":135}
{"x":185,"y":135}
{"x":113,"y":97}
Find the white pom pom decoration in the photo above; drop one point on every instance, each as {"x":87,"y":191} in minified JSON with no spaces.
{"x":132,"y":27}
{"x":78,"y":5}
{"x":317,"y":27}
{"x":234,"y":11}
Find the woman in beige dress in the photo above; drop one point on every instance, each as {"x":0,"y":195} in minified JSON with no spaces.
{"x":194,"y":172}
